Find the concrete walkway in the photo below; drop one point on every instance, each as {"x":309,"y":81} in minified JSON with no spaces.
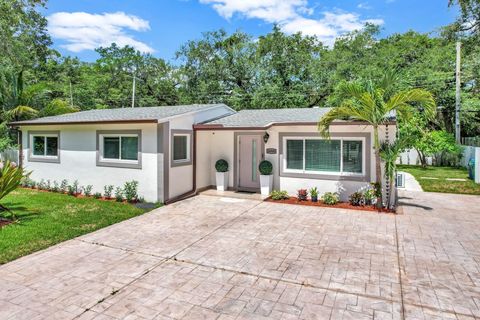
{"x":223,"y":258}
{"x":411,"y":184}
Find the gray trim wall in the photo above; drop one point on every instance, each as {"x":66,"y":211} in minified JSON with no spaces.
{"x":367,"y":148}
{"x":119,"y":164}
{"x":176,"y":163}
{"x":236,"y":167}
{"x":32,"y":158}
{"x":166,"y":160}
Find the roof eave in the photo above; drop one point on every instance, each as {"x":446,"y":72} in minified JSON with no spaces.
{"x":26,"y":123}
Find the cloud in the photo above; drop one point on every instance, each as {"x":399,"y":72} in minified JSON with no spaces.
{"x":293,"y":16}
{"x":86,"y":31}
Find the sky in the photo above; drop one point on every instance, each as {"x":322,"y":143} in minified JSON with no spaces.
{"x":160,"y":27}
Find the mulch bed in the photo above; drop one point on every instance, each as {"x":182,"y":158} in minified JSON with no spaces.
{"x":340,"y":205}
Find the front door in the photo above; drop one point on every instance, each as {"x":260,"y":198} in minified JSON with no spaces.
{"x":249,"y":156}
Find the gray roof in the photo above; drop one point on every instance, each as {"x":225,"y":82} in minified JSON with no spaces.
{"x":265,"y":117}
{"x":120,"y":115}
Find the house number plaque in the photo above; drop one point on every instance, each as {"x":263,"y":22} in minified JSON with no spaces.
{"x":271,"y":151}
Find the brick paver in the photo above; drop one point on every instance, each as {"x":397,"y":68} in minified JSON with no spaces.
{"x":218,"y":258}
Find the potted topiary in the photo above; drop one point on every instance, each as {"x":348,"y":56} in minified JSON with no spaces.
{"x":222,"y":174}
{"x":266,"y":178}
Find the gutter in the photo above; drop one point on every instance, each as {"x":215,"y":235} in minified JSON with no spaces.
{"x":193,"y":191}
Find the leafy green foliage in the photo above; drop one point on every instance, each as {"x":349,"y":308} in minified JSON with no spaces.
{"x":330,"y":198}
{"x":356,"y":199}
{"x":265,"y":167}
{"x":221,"y":165}
{"x":302,"y":194}
{"x":10,"y":178}
{"x":279,"y":195}
{"x":313,"y":192}
{"x":130,"y":190}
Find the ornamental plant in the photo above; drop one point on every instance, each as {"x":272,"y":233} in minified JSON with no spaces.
{"x":130,"y":190}
{"x":314,"y":194}
{"x":119,"y":194}
{"x":330,"y":198}
{"x":356,"y":199}
{"x":88,"y":190}
{"x":265,"y":167}
{"x":221,"y":165}
{"x":302,"y":194}
{"x":10,"y":178}
{"x":279,"y":195}
{"x":107,"y":191}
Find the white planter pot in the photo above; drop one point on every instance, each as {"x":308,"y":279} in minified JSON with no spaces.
{"x":266,"y":184}
{"x":222,"y":180}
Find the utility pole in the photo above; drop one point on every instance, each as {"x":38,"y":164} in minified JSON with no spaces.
{"x":133,"y":91}
{"x":457,"y":93}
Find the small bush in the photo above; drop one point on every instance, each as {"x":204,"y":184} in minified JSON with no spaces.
{"x":356,"y":199}
{"x":265,"y":167}
{"x":119,"y":194}
{"x":221,"y":165}
{"x":88,"y":190}
{"x":314,"y":192}
{"x":130,"y":190}
{"x":97,"y":195}
{"x":279,"y":195}
{"x":64,"y":186}
{"x":330,"y":198}
{"x":302,"y":194}
{"x":74,"y":189}
{"x":107,"y":191}
{"x":56,"y":186}
{"x":369,"y":197}
{"x":42,"y":185}
{"x":48,"y":185}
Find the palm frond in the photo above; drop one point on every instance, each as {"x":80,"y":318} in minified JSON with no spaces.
{"x":404,"y":103}
{"x":21,"y":112}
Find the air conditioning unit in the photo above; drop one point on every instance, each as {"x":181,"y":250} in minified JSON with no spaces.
{"x":400,"y":180}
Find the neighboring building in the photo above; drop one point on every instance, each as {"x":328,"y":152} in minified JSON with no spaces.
{"x":171,"y":151}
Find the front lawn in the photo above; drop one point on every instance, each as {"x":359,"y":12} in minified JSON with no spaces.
{"x":46,"y":218}
{"x":441,"y":184}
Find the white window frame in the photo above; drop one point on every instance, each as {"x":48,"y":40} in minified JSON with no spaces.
{"x":44,"y":156}
{"x":332,"y":173}
{"x":187,"y":146}
{"x":117,"y":135}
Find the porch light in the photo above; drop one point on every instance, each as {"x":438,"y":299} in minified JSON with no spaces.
{"x":265,"y":137}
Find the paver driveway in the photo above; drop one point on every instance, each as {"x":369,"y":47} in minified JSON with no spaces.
{"x":221,"y":258}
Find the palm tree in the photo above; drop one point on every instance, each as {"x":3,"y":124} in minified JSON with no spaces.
{"x":376,"y":104}
{"x":389,"y":152}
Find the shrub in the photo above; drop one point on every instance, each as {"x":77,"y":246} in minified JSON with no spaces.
{"x":302,"y":194}
{"x":314,"y":192}
{"x":107,"y":191}
{"x":369,"y":196}
{"x":130,"y":190}
{"x":48,"y":185}
{"x":56,"y":186}
{"x":88,"y":190}
{"x":119,"y":194}
{"x":10,"y":178}
{"x":97,"y":195}
{"x":221,"y":165}
{"x":74,"y":189}
{"x":279,"y":195}
{"x":265,"y":167}
{"x":42,"y":185}
{"x":64,"y":186}
{"x":330,"y":198}
{"x":356,"y":199}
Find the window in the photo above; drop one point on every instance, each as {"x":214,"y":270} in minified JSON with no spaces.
{"x":44,"y":146}
{"x":335,"y":156}
{"x":120,"y":147}
{"x":180,"y":148}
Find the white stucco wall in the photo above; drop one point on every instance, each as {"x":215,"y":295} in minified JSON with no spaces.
{"x":78,"y":158}
{"x":220,"y":144}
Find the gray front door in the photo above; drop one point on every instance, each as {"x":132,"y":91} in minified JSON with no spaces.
{"x":249,"y":156}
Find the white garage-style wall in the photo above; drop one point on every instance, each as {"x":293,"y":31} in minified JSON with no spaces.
{"x":78,"y":158}
{"x":220,"y":144}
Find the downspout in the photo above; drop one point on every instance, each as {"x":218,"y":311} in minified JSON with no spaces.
{"x":192,"y":192}
{"x":20,"y":148}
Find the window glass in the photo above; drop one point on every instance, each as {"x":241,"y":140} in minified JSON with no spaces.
{"x":38,"y":146}
{"x":295,"y":154}
{"x":129,"y":148}
{"x":180,"y":147}
{"x":52,"y":146}
{"x":322,"y":155}
{"x":352,"y":156}
{"x":111,"y":147}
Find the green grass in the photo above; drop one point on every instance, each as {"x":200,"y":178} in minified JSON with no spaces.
{"x":46,"y":218}
{"x":441,"y":184}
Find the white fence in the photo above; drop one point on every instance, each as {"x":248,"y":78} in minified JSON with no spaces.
{"x":9,"y":154}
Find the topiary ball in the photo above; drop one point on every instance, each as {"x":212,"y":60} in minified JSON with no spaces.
{"x":221,"y":165}
{"x":265,"y":167}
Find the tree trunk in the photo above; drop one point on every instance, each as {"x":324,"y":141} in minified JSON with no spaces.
{"x":378,"y":167}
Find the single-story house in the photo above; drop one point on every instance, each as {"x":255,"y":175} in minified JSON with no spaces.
{"x":171,"y":151}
